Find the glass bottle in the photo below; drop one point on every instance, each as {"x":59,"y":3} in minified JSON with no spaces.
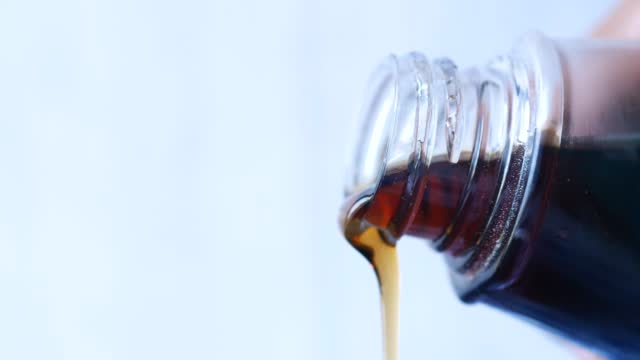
{"x":524,"y":174}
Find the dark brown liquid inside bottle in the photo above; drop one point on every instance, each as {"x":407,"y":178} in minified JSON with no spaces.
{"x":573,"y":264}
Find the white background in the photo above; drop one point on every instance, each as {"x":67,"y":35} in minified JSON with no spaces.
{"x":170,"y":174}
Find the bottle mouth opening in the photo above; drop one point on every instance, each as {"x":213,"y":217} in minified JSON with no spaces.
{"x":375,"y":121}
{"x":395,"y":124}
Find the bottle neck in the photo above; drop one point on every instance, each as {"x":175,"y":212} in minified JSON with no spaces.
{"x":478,"y":164}
{"x":469,"y":142}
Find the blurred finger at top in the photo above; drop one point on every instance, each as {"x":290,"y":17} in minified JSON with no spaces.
{"x":623,"y":22}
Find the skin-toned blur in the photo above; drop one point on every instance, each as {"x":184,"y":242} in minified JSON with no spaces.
{"x":622,"y":23}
